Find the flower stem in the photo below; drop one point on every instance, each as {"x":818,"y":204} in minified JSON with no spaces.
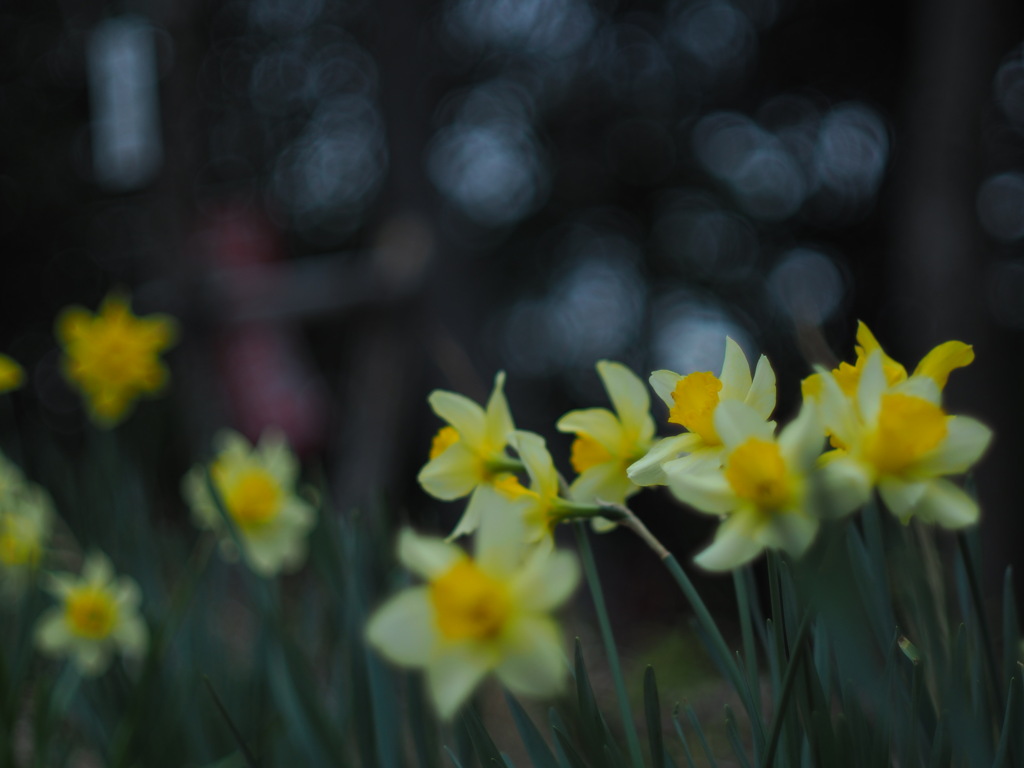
{"x":590,"y":571}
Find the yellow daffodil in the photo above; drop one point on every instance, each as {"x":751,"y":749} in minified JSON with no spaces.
{"x":97,"y":617}
{"x":693,"y":401}
{"x":608,"y":443}
{"x":12,"y":375}
{"x":26,"y":520}
{"x":257,"y":486}
{"x":936,"y":365}
{"x":768,"y":488}
{"x":899,"y":439}
{"x":112,"y":357}
{"x":476,"y":615}
{"x":468,"y":454}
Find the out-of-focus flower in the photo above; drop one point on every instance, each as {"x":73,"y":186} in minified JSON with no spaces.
{"x":478,"y":614}
{"x":97,"y":616}
{"x":26,"y":521}
{"x":693,"y":400}
{"x":899,"y":439}
{"x":113,"y":357}
{"x":11,"y":374}
{"x":768,"y":488}
{"x":608,"y":443}
{"x":468,"y":455}
{"x":936,"y":365}
{"x":257,"y":486}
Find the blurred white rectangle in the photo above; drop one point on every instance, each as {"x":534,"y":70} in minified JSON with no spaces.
{"x":125,"y":103}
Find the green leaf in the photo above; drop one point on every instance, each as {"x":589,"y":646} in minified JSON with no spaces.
{"x":652,"y":711}
{"x":682,"y":738}
{"x":733,"y":734}
{"x":536,"y":747}
{"x":484,"y":746}
{"x":573,"y":758}
{"x":1011,"y":724}
{"x":700,"y":736}
{"x":250,"y":758}
{"x":1011,"y":628}
{"x":421,"y":723}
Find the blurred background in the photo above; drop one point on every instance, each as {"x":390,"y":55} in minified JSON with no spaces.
{"x":347,"y":203}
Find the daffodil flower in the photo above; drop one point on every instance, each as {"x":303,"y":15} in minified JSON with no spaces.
{"x":899,"y":439}
{"x":768,"y":488}
{"x":693,"y":401}
{"x":12,"y":375}
{"x":112,"y":357}
{"x":607,"y":442}
{"x":936,"y":365}
{"x":97,"y":616}
{"x":468,"y":455}
{"x":257,"y":486}
{"x":26,"y":521}
{"x":477,"y":615}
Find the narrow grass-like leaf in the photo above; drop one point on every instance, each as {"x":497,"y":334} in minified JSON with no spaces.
{"x":486,"y":750}
{"x":695,"y":722}
{"x":788,"y":680}
{"x":652,"y":710}
{"x":939,"y":754}
{"x":421,"y":723}
{"x":454,"y":759}
{"x":746,"y":628}
{"x":1011,"y":628}
{"x":1011,"y":724}
{"x":536,"y":747}
{"x":968,"y":544}
{"x":733,"y":734}
{"x":250,"y":758}
{"x":682,"y":738}
{"x":591,"y":722}
{"x":555,"y":721}
{"x":573,"y":758}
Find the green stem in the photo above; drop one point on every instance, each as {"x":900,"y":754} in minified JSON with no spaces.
{"x":988,"y":652}
{"x":787,"y":688}
{"x":590,"y":571}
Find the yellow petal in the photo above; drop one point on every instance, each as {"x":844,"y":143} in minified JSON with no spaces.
{"x":11,"y":374}
{"x":944,"y":359}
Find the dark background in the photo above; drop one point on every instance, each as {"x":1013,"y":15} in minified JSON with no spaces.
{"x":347,"y":204}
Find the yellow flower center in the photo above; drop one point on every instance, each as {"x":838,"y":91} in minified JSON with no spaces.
{"x":695,"y":398}
{"x":757,"y":472}
{"x":445,"y":437}
{"x":586,"y":453}
{"x":91,"y":612}
{"x":17,"y":547}
{"x":468,"y":603}
{"x":908,"y":428}
{"x":254,"y":498}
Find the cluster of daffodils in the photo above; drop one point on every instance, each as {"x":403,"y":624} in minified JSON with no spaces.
{"x":863,"y":426}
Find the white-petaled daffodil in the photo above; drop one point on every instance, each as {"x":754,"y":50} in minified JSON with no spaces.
{"x":97,"y":617}
{"x":693,"y":401}
{"x":768,"y":488}
{"x":476,"y":615}
{"x":899,"y":439}
{"x":607,"y":442}
{"x":257,"y":486}
{"x":26,"y":521}
{"x":468,"y":455}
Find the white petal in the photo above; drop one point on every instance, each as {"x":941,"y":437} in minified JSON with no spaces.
{"x":900,"y":496}
{"x":705,"y":492}
{"x":947,"y":504}
{"x":461,"y":413}
{"x":451,"y":474}
{"x":539,"y":465}
{"x":789,"y":531}
{"x":533,"y":662}
{"x":97,"y":569}
{"x":426,"y":556}
{"x":735,"y":376}
{"x":498,"y":424}
{"x":837,"y":410}
{"x":736,"y":422}
{"x":922,"y":387}
{"x":966,"y":440}
{"x":648,"y":470}
{"x":91,"y":658}
{"x":597,"y":423}
{"x":628,"y":395}
{"x":277,"y":457}
{"x":802,"y":440}
{"x":453,"y":674}
{"x":127,"y":594}
{"x":502,"y":534}
{"x":731,"y":548}
{"x":403,"y":630}
{"x":871,"y":387}
{"x":131,"y":634}
{"x":761,"y":396}
{"x":844,"y":486}
{"x":607,"y":482}
{"x":547,"y":580}
{"x":664,"y":384}
{"x":702,"y":460}
{"x":52,"y":632}
{"x":479,"y":499}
